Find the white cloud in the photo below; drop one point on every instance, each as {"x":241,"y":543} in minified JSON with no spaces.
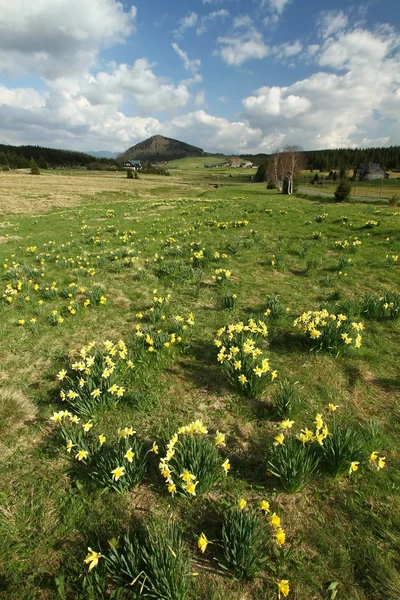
{"x":287,"y":50}
{"x":22,"y":97}
{"x":356,"y":49}
{"x":276,"y":6}
{"x":190,"y":65}
{"x":242,"y":21}
{"x":186,"y":23}
{"x":136,"y":85}
{"x":200,"y":99}
{"x":239,"y":49}
{"x":330,"y":110}
{"x":58,"y":38}
{"x":275,"y":101}
{"x":207,"y":19}
{"x":331,"y":22}
{"x":223,"y":99}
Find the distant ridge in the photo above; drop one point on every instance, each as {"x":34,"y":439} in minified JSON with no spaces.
{"x":158,"y":148}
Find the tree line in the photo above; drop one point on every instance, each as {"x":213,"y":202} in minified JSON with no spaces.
{"x":18,"y":157}
{"x":341,"y":158}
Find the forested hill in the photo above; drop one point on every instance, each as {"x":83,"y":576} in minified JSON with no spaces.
{"x":327,"y":160}
{"x":158,"y":148}
{"x":18,"y":157}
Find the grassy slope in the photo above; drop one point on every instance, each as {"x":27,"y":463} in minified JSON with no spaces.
{"x":341,"y":530}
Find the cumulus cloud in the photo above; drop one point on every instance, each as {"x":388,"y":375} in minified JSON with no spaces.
{"x":238,"y":49}
{"x":22,"y":97}
{"x":57,"y":38}
{"x":330,"y":110}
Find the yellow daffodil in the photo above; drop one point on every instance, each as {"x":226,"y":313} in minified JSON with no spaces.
{"x":102,"y":439}
{"x":226,"y":466}
{"x":264,"y":505}
{"x":354,"y":466}
{"x":117,"y":473}
{"x":242,"y":503}
{"x":129,"y":455}
{"x":381,"y":463}
{"x":280,"y":537}
{"x":283,"y":587}
{"x":81,"y":455}
{"x":92,"y":559}
{"x":202,"y":543}
{"x":279,"y":439}
{"x":220,"y":439}
{"x":286,"y":424}
{"x":275,"y":520}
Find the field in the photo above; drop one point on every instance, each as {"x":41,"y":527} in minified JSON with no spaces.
{"x":303,"y":420}
{"x":377,"y":188}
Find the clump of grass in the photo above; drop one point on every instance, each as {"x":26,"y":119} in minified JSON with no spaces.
{"x":286,"y":399}
{"x":342,"y":447}
{"x":273,"y":307}
{"x":154,"y":563}
{"x":244,"y":543}
{"x":295,"y":464}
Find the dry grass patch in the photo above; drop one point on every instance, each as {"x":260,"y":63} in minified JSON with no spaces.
{"x":15,"y":410}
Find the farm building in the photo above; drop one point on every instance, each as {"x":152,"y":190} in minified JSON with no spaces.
{"x":369,"y":171}
{"x":133,"y":164}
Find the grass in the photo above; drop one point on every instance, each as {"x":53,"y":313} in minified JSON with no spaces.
{"x":131,"y":238}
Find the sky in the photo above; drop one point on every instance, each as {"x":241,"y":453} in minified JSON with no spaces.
{"x":228,"y":76}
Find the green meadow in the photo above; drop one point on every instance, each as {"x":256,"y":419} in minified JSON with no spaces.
{"x":199,"y":390}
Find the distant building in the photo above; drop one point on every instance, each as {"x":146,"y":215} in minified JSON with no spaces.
{"x":133,"y":164}
{"x":247,"y":164}
{"x":234,"y":163}
{"x":369,"y":171}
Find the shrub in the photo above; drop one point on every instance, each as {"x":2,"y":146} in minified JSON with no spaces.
{"x":295,"y":464}
{"x":34,"y":168}
{"x":286,"y":399}
{"x":192,"y":464}
{"x":129,"y":173}
{"x":241,"y":360}
{"x":343,"y":191}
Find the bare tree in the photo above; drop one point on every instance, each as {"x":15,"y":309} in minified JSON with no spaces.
{"x":284,"y":166}
{"x":294,"y":161}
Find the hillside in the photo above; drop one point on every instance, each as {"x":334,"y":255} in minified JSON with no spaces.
{"x":158,"y":148}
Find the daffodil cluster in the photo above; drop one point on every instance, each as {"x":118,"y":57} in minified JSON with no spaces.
{"x":240,"y":354}
{"x":192,"y":463}
{"x":332,"y":332}
{"x":93,"y":380}
{"x":119,"y":465}
{"x":247,"y":544}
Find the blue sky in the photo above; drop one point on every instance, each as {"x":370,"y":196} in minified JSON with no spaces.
{"x":225,"y":75}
